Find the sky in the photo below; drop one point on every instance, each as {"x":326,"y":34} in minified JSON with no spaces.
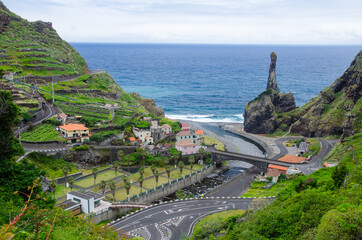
{"x":307,"y":22}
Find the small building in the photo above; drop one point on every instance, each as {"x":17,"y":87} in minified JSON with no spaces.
{"x":291,"y":159}
{"x":62,"y":117}
{"x":75,"y":133}
{"x":88,"y":200}
{"x":185,"y":127}
{"x":134,"y":141}
{"x":274,"y":173}
{"x":327,"y":165}
{"x":280,"y":168}
{"x":199,"y":137}
{"x":182,"y":135}
{"x":142,"y":133}
{"x":148,"y":140}
{"x":187,"y":147}
{"x":167,"y":129}
{"x":8,"y":76}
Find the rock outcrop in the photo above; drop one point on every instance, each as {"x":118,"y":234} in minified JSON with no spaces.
{"x":272,"y":79}
{"x":261,"y":114}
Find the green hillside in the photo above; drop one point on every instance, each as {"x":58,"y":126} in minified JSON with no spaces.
{"x":35,"y":48}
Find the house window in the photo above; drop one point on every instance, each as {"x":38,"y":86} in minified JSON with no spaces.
{"x":77,"y":200}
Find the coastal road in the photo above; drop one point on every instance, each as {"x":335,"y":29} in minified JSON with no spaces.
{"x":174,"y":219}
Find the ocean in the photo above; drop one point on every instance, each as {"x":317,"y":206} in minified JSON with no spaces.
{"x":213,"y":83}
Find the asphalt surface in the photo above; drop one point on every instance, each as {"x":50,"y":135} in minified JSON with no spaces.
{"x":173,"y":220}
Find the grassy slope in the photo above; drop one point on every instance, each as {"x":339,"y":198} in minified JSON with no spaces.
{"x":29,"y":44}
{"x":321,"y":211}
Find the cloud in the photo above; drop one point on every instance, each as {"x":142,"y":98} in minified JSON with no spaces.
{"x":187,"y":21}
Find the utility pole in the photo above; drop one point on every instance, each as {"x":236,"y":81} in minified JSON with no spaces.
{"x":53,"y":89}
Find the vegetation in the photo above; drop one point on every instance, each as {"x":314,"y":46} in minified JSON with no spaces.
{"x":103,"y":135}
{"x":40,"y":133}
{"x":211,"y":141}
{"x":215,"y":223}
{"x":52,"y":167}
{"x":323,"y":205}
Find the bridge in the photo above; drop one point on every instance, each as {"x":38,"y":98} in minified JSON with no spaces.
{"x":259,"y":162}
{"x":129,"y":205}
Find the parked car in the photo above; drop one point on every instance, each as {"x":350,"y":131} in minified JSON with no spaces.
{"x":76,"y":145}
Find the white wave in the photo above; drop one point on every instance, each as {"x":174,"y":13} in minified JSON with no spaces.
{"x":206,"y":118}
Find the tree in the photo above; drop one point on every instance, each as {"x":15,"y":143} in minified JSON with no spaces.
{"x":112,"y":187}
{"x":175,"y":156}
{"x":71,"y":181}
{"x":120,"y":155}
{"x":180,"y":194}
{"x":166,"y":161}
{"x":141,"y":171}
{"x":95,"y":173}
{"x":190,"y":195}
{"x":53,"y":185}
{"x":140,"y":180}
{"x":202,"y":153}
{"x":124,"y":178}
{"x":127,"y":186}
{"x":191,"y":161}
{"x":116,"y":165}
{"x":339,"y":174}
{"x":156,"y":174}
{"x":9,"y":115}
{"x":168,"y":170}
{"x":181,"y":165}
{"x":153,"y":169}
{"x":128,"y":159}
{"x":103,"y":186}
{"x":142,"y":153}
{"x":66,"y":169}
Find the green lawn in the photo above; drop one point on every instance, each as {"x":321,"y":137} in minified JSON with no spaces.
{"x":89,"y":170}
{"x":62,"y":191}
{"x":43,"y":132}
{"x":255,"y":189}
{"x":210,"y":141}
{"x":176,"y":173}
{"x":88,"y":182}
{"x":121,"y":194}
{"x":151,"y":183}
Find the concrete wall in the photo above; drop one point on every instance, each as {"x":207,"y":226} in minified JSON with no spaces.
{"x":167,"y":189}
{"x":150,"y":196}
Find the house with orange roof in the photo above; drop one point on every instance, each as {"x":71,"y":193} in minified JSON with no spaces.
{"x":291,"y":159}
{"x":134,"y":141}
{"x":75,"y":133}
{"x":274,"y":173}
{"x":280,"y":168}
{"x":185,"y":127}
{"x":199,"y":136}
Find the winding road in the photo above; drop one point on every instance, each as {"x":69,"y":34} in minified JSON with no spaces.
{"x":174,"y":219}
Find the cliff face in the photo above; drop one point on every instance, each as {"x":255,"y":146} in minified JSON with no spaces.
{"x":336,"y":110}
{"x":261,"y":114}
{"x":35,"y":48}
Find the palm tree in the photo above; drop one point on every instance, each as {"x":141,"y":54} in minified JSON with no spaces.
{"x":103,"y":186}
{"x":53,"y":185}
{"x":127,"y":186}
{"x":156,"y":174}
{"x":128,"y":159}
{"x":175,"y":157}
{"x":141,"y":171}
{"x":71,"y":182}
{"x":95,"y":172}
{"x":153,"y":169}
{"x":125,"y":178}
{"x":166,"y":161}
{"x":140,"y":180}
{"x":191,"y":161}
{"x":66,"y":169}
{"x":112,"y":187}
{"x":120,"y":155}
{"x":116,"y":165}
{"x":202,"y":152}
{"x":168,"y":170}
{"x":181,"y":165}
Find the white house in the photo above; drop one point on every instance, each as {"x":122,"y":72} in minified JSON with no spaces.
{"x":87,"y":200}
{"x":142,"y":134}
{"x":167,"y":129}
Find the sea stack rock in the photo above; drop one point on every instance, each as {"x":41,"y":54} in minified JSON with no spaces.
{"x":261,"y":115}
{"x":272,"y":79}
